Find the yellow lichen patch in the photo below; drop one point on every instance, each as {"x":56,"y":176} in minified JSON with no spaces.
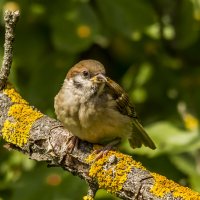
{"x":111,"y":170}
{"x":14,"y":96}
{"x":88,"y":198}
{"x":163,"y":186}
{"x":21,"y":118}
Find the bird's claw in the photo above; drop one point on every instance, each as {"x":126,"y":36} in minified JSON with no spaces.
{"x":72,"y":143}
{"x":104,"y":150}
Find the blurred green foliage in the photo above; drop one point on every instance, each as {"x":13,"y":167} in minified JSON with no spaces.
{"x":150,"y":47}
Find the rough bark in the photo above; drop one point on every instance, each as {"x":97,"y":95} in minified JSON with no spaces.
{"x":10,"y":19}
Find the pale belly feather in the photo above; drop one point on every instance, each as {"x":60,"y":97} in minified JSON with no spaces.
{"x":102,"y":124}
{"x":96,"y":121}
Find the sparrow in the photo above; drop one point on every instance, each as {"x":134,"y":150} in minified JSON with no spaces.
{"x":96,"y":109}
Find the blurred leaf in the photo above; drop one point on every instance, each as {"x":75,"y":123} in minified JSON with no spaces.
{"x":13,"y":164}
{"x":168,"y":139}
{"x":196,"y":4}
{"x":126,"y":16}
{"x":194,"y":181}
{"x":153,"y":31}
{"x":139,"y":95}
{"x":42,"y":95}
{"x":103,"y":195}
{"x":74,"y":30}
{"x":185,"y":21}
{"x":186,"y":163}
{"x":48,"y":184}
{"x":144,"y":74}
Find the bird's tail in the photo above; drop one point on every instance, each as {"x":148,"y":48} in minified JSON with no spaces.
{"x":139,"y":136}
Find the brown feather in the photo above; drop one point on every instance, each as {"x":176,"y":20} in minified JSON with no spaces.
{"x":139,"y":135}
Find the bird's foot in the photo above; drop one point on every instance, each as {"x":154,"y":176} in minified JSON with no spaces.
{"x":72,"y":143}
{"x":104,"y":150}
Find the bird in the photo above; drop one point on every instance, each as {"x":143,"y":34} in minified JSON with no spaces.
{"x":96,"y":109}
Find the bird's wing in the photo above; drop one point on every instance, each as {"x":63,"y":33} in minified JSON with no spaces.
{"x":139,"y":135}
{"x":122,"y":99}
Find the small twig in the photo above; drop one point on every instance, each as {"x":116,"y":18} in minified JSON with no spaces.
{"x":11,"y":18}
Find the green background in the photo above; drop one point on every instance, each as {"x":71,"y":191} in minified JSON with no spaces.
{"x":150,"y":47}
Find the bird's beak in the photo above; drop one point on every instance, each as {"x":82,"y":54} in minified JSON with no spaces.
{"x":99,"y":78}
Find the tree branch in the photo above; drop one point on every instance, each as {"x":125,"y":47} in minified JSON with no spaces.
{"x":10,"y":18}
{"x":42,"y":138}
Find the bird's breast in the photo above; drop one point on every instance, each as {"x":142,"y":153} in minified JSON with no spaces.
{"x":101,"y":122}
{"x":66,"y":106}
{"x":95,"y":120}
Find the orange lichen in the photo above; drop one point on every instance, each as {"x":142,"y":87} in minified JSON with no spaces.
{"x":21,"y":118}
{"x":111,"y":170}
{"x":162,"y":186}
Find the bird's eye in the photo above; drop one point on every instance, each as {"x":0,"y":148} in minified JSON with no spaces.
{"x":86,"y":74}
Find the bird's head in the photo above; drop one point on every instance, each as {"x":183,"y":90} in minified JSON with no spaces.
{"x":87,"y":74}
